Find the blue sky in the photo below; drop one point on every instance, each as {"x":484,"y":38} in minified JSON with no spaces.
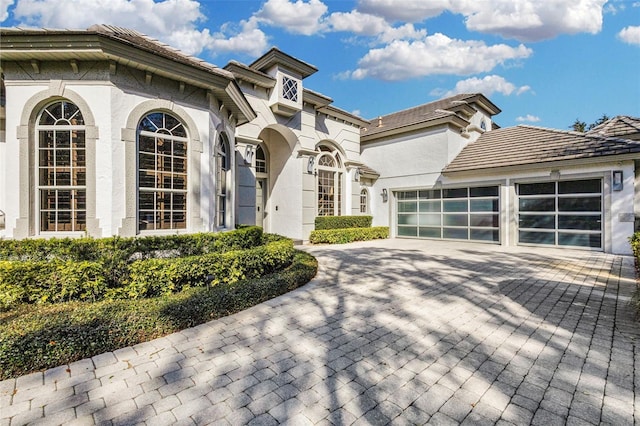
{"x":543,"y":62}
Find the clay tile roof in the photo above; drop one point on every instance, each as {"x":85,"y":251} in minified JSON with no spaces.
{"x":621,"y":126}
{"x":366,"y":170}
{"x":527,"y":145}
{"x":155,"y":46}
{"x":423,"y":113}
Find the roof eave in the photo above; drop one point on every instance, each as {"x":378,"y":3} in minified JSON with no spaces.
{"x":343,"y":115}
{"x":543,"y":164}
{"x":452,"y":119}
{"x":23,"y":46}
{"x":277,"y":57}
{"x":244,"y":73}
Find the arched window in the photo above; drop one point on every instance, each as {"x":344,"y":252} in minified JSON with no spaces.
{"x":364,"y":201}
{"x":222,"y":177}
{"x":162,"y":173}
{"x":261,"y":160}
{"x":329,"y":183}
{"x":61,"y":169}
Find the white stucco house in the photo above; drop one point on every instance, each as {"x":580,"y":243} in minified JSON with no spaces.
{"x":107,"y":132}
{"x":460,"y":177}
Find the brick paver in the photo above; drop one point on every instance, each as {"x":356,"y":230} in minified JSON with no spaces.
{"x":396,"y":331}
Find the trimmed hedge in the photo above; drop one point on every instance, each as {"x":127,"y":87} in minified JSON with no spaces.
{"x":119,"y":273}
{"x":36,"y":337}
{"x":342,"y":236}
{"x":155,"y":277}
{"x":104,"y":249}
{"x":341,"y":222}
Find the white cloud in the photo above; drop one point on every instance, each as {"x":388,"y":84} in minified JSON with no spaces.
{"x":250,"y":40}
{"x":369,"y":25}
{"x":4,"y":9}
{"x":532,"y":20}
{"x":524,"y":20}
{"x":488,"y":85}
{"x":173,"y":21}
{"x":630,"y":35}
{"x":404,"y":10}
{"x":299,"y":17}
{"x":435,"y":54}
{"x":358,"y":23}
{"x":528,"y":119}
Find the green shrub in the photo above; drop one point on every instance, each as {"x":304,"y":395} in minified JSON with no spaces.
{"x":342,"y":236}
{"x":50,"y":282}
{"x":114,"y":268}
{"x":36,"y":337}
{"x":99,"y":249}
{"x":154,"y":277}
{"x":635,"y":244}
{"x":340,"y":222}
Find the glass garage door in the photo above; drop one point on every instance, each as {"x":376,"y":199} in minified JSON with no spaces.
{"x":458,"y":214}
{"x":562,"y":213}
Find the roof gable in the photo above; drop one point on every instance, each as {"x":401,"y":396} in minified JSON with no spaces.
{"x":276,"y":57}
{"x":129,"y":48}
{"x":530,"y":145}
{"x":620,"y":126}
{"x":458,"y":107}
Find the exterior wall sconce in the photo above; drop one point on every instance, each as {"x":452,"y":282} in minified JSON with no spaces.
{"x":385,"y":195}
{"x":617,"y":183}
{"x":311,"y":164}
{"x":356,"y":175}
{"x":2,"y":219}
{"x":249,"y":151}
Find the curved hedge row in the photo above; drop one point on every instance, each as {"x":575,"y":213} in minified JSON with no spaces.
{"x":103,"y":249}
{"x":36,"y":337}
{"x":87,"y":270}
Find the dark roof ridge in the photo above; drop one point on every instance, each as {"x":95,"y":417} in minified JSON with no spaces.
{"x":574,"y":133}
{"x":452,"y":99}
{"x":548,"y":129}
{"x":629,"y":120}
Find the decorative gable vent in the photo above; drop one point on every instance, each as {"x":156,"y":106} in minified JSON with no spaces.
{"x":287,"y":98}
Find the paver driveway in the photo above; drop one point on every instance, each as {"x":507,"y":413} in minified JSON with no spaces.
{"x":397,"y":331}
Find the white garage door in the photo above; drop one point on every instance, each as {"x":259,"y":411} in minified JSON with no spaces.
{"x":456,"y":213}
{"x":561,"y":213}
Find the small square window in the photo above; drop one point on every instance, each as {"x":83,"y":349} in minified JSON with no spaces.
{"x":290,"y":89}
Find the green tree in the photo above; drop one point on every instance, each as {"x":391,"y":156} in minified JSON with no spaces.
{"x":582,"y":127}
{"x":579,"y":126}
{"x":599,"y":121}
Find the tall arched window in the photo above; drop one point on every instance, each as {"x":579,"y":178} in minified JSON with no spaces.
{"x":329,"y":183}
{"x":222,"y":177}
{"x":364,"y":201}
{"x":61,"y":169}
{"x":261,"y":160}
{"x":162,"y":173}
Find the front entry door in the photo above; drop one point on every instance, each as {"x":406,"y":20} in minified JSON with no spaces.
{"x":261,"y":185}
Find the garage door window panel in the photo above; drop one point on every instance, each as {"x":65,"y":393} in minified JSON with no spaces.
{"x":451,"y":213}
{"x":537,"y":204}
{"x":585,"y":223}
{"x":574,"y":220}
{"x":456,"y":233}
{"x":529,"y":237}
{"x":426,"y":232}
{"x":580,"y":240}
{"x":484,"y":234}
{"x":430,"y":220}
{"x":580,"y":204}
